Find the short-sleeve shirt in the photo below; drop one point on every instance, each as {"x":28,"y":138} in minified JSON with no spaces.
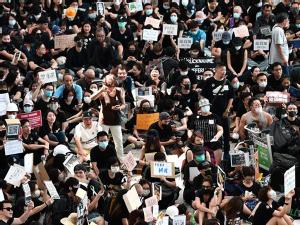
{"x":278,"y":37}
{"x":100,"y":156}
{"x":264,"y":213}
{"x":10,"y":221}
{"x":165,"y":133}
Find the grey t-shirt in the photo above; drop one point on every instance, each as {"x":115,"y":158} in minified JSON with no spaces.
{"x":278,"y":37}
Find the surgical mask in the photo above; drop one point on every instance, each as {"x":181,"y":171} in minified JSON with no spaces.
{"x":236,"y":85}
{"x":87,"y":99}
{"x":149,"y":12}
{"x":115,"y":169}
{"x":205,"y":109}
{"x":184,"y":73}
{"x":93,"y":16}
{"x":70,"y":98}
{"x":27,"y":109}
{"x":184,"y":3}
{"x":36,"y":193}
{"x":122,"y":25}
{"x":272,"y":194}
{"x":194,"y":32}
{"x":294,"y":11}
{"x":48,"y":93}
{"x":103,"y":144}
{"x":237,"y":47}
{"x":200,"y":21}
{"x":146,"y":192}
{"x":76,"y":9}
{"x":200,"y":158}
{"x":53,"y":107}
{"x":11,"y":116}
{"x":37,"y":16}
{"x":12,"y":22}
{"x":166,"y":5}
{"x":292,"y":113}
{"x":226,"y":42}
{"x":236,"y":15}
{"x":173,"y":19}
{"x":258,"y":110}
{"x":263,"y":84}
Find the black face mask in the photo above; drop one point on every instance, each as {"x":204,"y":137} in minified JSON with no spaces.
{"x":197,"y":148}
{"x":292,"y":113}
{"x":187,"y":86}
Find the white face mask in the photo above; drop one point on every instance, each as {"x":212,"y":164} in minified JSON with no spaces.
{"x":238,"y":47}
{"x":184,"y":73}
{"x":12,"y":22}
{"x":263,"y":84}
{"x":272,"y":194}
{"x":27,"y":109}
{"x":115,"y":169}
{"x":11,"y":116}
{"x":37,"y":193}
{"x":53,"y":107}
{"x":185,"y":2}
{"x":258,"y":110}
{"x":70,"y":98}
{"x":205,"y":109}
{"x":87,"y":99}
{"x":37,"y":16}
{"x":60,"y":76}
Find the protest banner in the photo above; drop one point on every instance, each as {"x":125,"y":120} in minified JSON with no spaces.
{"x":12,"y":147}
{"x":199,"y":65}
{"x":4,"y":100}
{"x":47,"y":76}
{"x":289,"y":180}
{"x":152,"y":21}
{"x":295,"y":43}
{"x":221,"y":176}
{"x":64,"y":41}
{"x":237,"y":158}
{"x":28,"y":162}
{"x":150,"y":35}
{"x":179,"y":220}
{"x":35,"y":118}
{"x":15,"y":174}
{"x":51,"y":189}
{"x":151,"y":201}
{"x":143,"y":121}
{"x":218,"y":36}
{"x":148,"y":216}
{"x":100,"y":8}
{"x":261,"y":44}
{"x":170,"y":29}
{"x":184,"y":42}
{"x":41,"y":175}
{"x":264,"y":155}
{"x":194,"y":172}
{"x":277,"y":97}
{"x":241,"y":31}
{"x":129,"y":161}
{"x":70,"y":162}
{"x":132,"y":200}
{"x":162,"y":169}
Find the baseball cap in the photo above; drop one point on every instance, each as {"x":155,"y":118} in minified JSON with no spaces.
{"x":226,"y":36}
{"x":203,"y":102}
{"x":60,"y":150}
{"x":28,"y":102}
{"x":53,"y":99}
{"x":164,"y":116}
{"x":87,"y":114}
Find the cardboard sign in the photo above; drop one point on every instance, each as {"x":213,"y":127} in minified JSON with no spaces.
{"x":261,"y":44}
{"x":289,"y":180}
{"x":4,"y":100}
{"x":64,"y":41}
{"x":47,"y":76}
{"x":162,"y":169}
{"x":129,"y":161}
{"x":70,"y":162}
{"x":144,"y":121}
{"x":199,"y":65}
{"x":264,"y":156}
{"x":148,"y":216}
{"x":35,"y":118}
{"x":218,"y":36}
{"x":221,"y":176}
{"x":13,"y":147}
{"x":132,"y":200}
{"x":241,"y":31}
{"x":41,"y":175}
{"x":151,"y":201}
{"x":277,"y":97}
{"x":15,"y":174}
{"x":170,"y":29}
{"x":237,"y":158}
{"x":184,"y":43}
{"x":51,"y":189}
{"x":156,"y":190}
{"x":179,"y":220}
{"x":150,"y":35}
{"x":100,"y":8}
{"x":152,"y":21}
{"x":194,"y":172}
{"x":28,"y":162}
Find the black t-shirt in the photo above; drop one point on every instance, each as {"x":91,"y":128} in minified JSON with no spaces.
{"x":33,"y":139}
{"x":264,"y":213}
{"x":189,"y":100}
{"x":274,"y":84}
{"x":43,"y":61}
{"x":10,"y":221}
{"x":117,"y":180}
{"x":100,"y":156}
{"x":254,"y":188}
{"x":257,"y":92}
{"x":165,"y":133}
{"x":124,"y":38}
{"x":41,"y":104}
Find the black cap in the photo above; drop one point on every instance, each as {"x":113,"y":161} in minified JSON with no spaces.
{"x":87,"y":114}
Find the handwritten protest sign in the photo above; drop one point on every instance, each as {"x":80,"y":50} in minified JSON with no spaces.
{"x":28,"y":162}
{"x":241,"y":31}
{"x":148,"y":216}
{"x":152,"y":21}
{"x":261,"y":44}
{"x":100,"y":8}
{"x":289,"y":180}
{"x":184,"y":43}
{"x":179,"y":220}
{"x":151,"y":201}
{"x":135,"y":6}
{"x":218,"y":35}
{"x":4,"y":100}
{"x":132,"y":200}
{"x":12,"y":147}
{"x":70,"y":162}
{"x":150,"y":35}
{"x":237,"y":158}
{"x":15,"y":174}
{"x":64,"y":41}
{"x":143,"y":121}
{"x":170,"y":29}
{"x":129,"y":161}
{"x":47,"y":76}
{"x":265,"y":30}
{"x":35,"y":118}
{"x":277,"y":97}
{"x":27,"y":193}
{"x":162,"y":169}
{"x":51,"y":189}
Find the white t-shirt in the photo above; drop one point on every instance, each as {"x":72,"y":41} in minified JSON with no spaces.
{"x":278,"y":37}
{"x":88,"y":137}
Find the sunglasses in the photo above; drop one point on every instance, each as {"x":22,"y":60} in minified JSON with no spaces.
{"x":8,"y":208}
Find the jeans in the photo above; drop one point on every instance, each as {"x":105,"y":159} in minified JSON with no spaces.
{"x":116,"y":132}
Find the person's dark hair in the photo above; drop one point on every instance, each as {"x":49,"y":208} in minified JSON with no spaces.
{"x":182,"y":209}
{"x":194,"y":24}
{"x":112,"y":160}
{"x":139,"y":66}
{"x":66,"y":92}
{"x":38,"y":44}
{"x":23,"y":121}
{"x":53,"y":174}
{"x":253,"y":68}
{"x":152,"y":139}
{"x":248,"y":171}
{"x":70,"y":183}
{"x":208,"y":179}
{"x":275,"y":64}
{"x":144,"y":181}
{"x":2,"y":203}
{"x":79,"y":167}
{"x":245,"y":95}
{"x":159,"y":156}
{"x":196,"y":134}
{"x":213,"y":221}
{"x":266,"y":5}
{"x":135,"y":217}
{"x":168,"y":105}
{"x":12,"y":76}
{"x":233,"y":207}
{"x":183,"y":65}
{"x":281,"y":17}
{"x":183,"y":77}
{"x":261,"y":75}
{"x":263,"y":194}
{"x":101,"y":134}
{"x":218,"y":65}
{"x":251,"y":101}
{"x":47,"y":84}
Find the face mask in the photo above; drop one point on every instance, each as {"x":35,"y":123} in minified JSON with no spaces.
{"x":258,"y":110}
{"x":115,"y":169}
{"x":263,"y":84}
{"x":36,"y":194}
{"x":205,"y":109}
{"x":292,"y":113}
{"x":12,"y":22}
{"x":103,"y":144}
{"x":187,"y":86}
{"x":122,"y":25}
{"x":166,"y":5}
{"x":195,"y":32}
{"x":48,"y":93}
{"x":272,"y":194}
{"x":236,"y":15}
{"x":146,"y":193}
{"x":173,"y":19}
{"x":37,"y":16}
{"x":294,"y":11}
{"x":184,"y":3}
{"x":53,"y":107}
{"x":93,"y":16}
{"x":11,"y":116}
{"x":87,"y":99}
{"x":200,"y":158}
{"x":298,"y":25}
{"x":200,"y":21}
{"x":236,"y":85}
{"x":184,"y":73}
{"x":60,"y":76}
{"x":226,"y":42}
{"x":149,"y":12}
{"x":70,"y":98}
{"x":237,"y":47}
{"x":27,"y":109}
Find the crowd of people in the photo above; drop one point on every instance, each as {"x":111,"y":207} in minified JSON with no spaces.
{"x":73,"y":110}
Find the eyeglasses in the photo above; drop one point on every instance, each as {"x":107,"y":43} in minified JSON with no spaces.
{"x":206,"y":187}
{"x":8,"y":208}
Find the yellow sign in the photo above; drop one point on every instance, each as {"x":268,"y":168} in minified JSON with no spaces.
{"x":144,"y":121}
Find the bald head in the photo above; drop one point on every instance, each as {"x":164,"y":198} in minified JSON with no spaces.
{"x":89,"y":75}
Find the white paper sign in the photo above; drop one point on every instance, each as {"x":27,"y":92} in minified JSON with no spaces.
{"x":152,"y":21}
{"x":237,"y":158}
{"x":148,"y":215}
{"x":179,"y":220}
{"x":261,"y":44}
{"x":185,"y":43}
{"x":163,"y":221}
{"x":48,"y":76}
{"x":218,"y":35}
{"x":132,"y":200}
{"x":71,"y":162}
{"x":13,"y":147}
{"x":135,"y":6}
{"x":100,"y":8}
{"x":151,"y":201}
{"x":28,"y":163}
{"x":4,"y":100}
{"x":51,"y":189}
{"x":289,"y":180}
{"x":26,"y":189}
{"x":162,"y":169}
{"x":15,"y":174}
{"x":194,"y":172}
{"x":129,"y":161}
{"x":155,"y":211}
{"x":170,"y":29}
{"x":150,"y":35}
{"x":2,"y":198}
